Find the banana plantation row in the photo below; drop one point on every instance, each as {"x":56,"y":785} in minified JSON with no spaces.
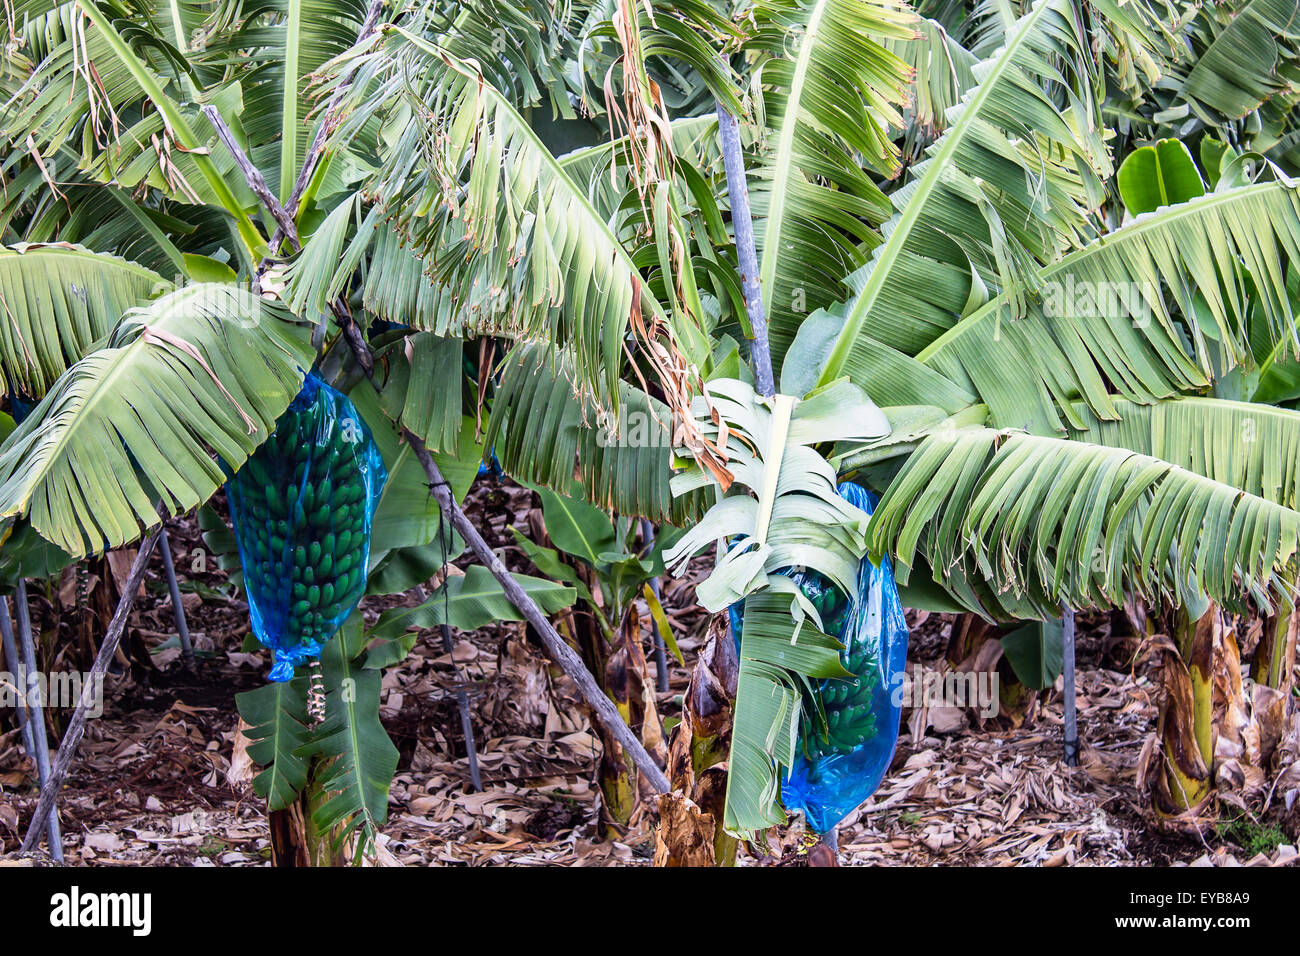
{"x":972,"y":307}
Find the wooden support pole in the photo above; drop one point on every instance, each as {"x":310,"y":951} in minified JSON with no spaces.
{"x":77,"y":726}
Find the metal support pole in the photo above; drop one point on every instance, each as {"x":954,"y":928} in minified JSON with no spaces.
{"x":462,"y":701}
{"x":36,"y":712}
{"x":742,"y":221}
{"x":182,"y":629}
{"x":661,"y":655}
{"x":462,"y":697}
{"x":15,"y":666}
{"x":1071,"y":719}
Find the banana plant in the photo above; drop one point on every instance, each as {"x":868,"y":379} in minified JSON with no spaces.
{"x":1003,"y":481}
{"x":603,"y":560}
{"x":148,"y":380}
{"x":339,"y":768}
{"x":1031,"y":456}
{"x":782,"y":511}
{"x":607,"y":551}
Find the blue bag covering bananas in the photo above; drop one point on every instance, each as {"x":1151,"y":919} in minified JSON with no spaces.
{"x":849,"y":729}
{"x":302,"y":507}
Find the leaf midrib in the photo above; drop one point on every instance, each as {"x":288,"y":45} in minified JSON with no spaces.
{"x":281,"y":717}
{"x":289,"y":115}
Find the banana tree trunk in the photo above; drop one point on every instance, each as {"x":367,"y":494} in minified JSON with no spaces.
{"x":593,"y":639}
{"x":291,"y":847}
{"x":296,"y":842}
{"x":614,"y":775}
{"x":627,"y":679}
{"x":690,"y":818}
{"x":1274,"y":662}
{"x":1186,"y":718}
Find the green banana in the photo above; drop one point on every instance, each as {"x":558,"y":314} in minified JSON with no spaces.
{"x":840,"y":719}
{"x":301,"y":506}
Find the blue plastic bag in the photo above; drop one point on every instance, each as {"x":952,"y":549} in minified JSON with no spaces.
{"x":302,"y":508}
{"x":20,"y":407}
{"x":849,"y":732}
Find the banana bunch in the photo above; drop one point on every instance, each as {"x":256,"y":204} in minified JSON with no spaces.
{"x":301,"y":508}
{"x":840,"y":718}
